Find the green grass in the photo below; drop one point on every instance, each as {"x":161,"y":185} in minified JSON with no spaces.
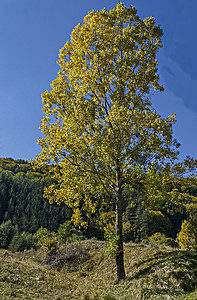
{"x":153,"y":272}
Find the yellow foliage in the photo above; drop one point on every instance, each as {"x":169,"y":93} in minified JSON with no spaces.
{"x":187,"y":237}
{"x":109,"y":224}
{"x":99,"y":127}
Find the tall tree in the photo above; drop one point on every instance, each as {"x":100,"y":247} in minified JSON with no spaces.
{"x":100,"y":129}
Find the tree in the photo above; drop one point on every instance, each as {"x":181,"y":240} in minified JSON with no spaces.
{"x":100,"y":130}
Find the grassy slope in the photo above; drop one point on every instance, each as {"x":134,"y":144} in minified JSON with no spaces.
{"x":152,"y":273}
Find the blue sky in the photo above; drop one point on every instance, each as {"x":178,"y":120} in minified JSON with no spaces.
{"x":33,"y":31}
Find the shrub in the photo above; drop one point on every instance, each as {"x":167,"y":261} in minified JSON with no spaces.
{"x":160,"y":239}
{"x":7,"y":232}
{"x":111,"y":245}
{"x":41,"y":234}
{"x":187,"y":238}
{"x":21,"y":242}
{"x":67,"y":233}
{"x":73,"y":253}
{"x":145,"y":241}
{"x":50,"y":245}
{"x":46,"y":240}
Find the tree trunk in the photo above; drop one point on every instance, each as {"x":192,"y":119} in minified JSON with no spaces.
{"x":120,"y":271}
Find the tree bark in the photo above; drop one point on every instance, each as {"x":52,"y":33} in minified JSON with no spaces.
{"x":120,"y":271}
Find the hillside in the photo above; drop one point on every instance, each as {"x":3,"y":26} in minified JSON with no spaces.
{"x":83,"y":271}
{"x":21,"y":197}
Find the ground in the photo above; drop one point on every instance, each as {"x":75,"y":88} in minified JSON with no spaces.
{"x":84,"y":271}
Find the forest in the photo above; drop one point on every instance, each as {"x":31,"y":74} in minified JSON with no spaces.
{"x":24,"y":210}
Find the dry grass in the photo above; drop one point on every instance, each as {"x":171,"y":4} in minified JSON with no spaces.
{"x":87,"y":273}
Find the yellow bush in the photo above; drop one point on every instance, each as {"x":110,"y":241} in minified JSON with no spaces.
{"x":187,"y":238}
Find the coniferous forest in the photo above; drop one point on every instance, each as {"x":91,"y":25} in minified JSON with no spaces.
{"x":21,"y":199}
{"x":24,"y":210}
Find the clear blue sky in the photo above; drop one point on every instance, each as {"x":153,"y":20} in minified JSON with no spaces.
{"x":33,"y":31}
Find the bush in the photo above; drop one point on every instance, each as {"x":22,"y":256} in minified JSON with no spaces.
{"x":145,"y":241}
{"x":46,"y":240}
{"x":7,"y":232}
{"x":50,"y":245}
{"x":160,"y":239}
{"x":111,"y":245}
{"x":73,"y":253}
{"x":41,"y":234}
{"x":21,"y":242}
{"x":187,"y":237}
{"x":67,"y":233}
